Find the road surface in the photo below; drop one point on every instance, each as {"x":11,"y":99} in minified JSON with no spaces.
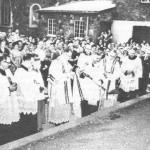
{"x":126,"y":129}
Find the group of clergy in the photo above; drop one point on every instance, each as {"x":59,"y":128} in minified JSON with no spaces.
{"x":68,"y":72}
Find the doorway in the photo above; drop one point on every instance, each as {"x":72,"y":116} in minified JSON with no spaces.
{"x":141,"y":33}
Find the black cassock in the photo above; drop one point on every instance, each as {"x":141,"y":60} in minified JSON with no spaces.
{"x":44,"y":70}
{"x":145,"y":78}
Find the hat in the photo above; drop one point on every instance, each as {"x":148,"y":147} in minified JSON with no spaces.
{"x":132,"y":51}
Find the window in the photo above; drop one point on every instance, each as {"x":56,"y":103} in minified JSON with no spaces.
{"x":33,"y":15}
{"x":52,"y":26}
{"x":5,"y":13}
{"x":79,"y":28}
{"x":145,"y":1}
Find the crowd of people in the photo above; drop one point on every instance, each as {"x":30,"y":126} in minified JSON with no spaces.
{"x":68,"y":71}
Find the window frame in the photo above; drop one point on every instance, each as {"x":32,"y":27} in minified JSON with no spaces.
{"x":6,"y":14}
{"x":31,"y":24}
{"x":145,"y":1}
{"x":81,"y":27}
{"x":53,"y":26}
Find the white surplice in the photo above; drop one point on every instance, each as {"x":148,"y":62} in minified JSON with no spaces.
{"x":29,"y":83}
{"x":59,"y":89}
{"x":9,"y":105}
{"x":130,"y":82}
{"x":89,"y":88}
{"x":112,"y":69}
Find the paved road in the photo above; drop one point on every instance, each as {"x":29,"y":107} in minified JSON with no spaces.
{"x":127,"y":129}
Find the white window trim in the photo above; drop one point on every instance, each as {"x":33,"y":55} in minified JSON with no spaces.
{"x":31,"y":25}
{"x":52,"y":27}
{"x":79,"y":28}
{"x":145,"y":1}
{"x":10,"y":21}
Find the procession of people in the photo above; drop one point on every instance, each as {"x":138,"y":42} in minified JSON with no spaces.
{"x":72,"y":73}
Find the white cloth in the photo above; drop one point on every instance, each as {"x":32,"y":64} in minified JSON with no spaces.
{"x":9,"y":105}
{"x":60,"y":92}
{"x":112,"y":76}
{"x":58,"y":85}
{"x":29,"y":83}
{"x":89,"y":88}
{"x":130,"y":82}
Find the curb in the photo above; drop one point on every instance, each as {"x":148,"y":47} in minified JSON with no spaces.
{"x":49,"y":132}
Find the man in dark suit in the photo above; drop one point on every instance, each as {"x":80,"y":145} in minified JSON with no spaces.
{"x":146,"y":70}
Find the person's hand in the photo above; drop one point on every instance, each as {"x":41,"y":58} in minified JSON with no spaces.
{"x":105,"y":75}
{"x":133,"y":74}
{"x":41,"y":89}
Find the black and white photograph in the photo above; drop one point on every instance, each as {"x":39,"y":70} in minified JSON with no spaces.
{"x":74,"y":74}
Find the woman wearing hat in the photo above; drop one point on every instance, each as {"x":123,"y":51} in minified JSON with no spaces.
{"x":16,"y":55}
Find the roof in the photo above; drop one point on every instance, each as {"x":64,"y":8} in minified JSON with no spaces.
{"x":94,"y":6}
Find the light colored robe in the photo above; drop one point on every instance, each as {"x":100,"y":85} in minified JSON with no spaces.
{"x":129,"y":82}
{"x":9,"y":105}
{"x":112,"y":76}
{"x":29,"y":83}
{"x":59,"y":89}
{"x":89,"y":88}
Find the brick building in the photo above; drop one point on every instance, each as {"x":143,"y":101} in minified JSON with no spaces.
{"x":80,"y":19}
{"x":130,"y":19}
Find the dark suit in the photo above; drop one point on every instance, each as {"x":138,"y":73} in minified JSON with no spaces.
{"x":44,"y":70}
{"x":145,"y":79}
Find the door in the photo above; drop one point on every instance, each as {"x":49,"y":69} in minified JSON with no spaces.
{"x":141,"y":33}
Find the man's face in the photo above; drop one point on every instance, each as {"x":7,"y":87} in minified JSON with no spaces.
{"x":97,"y":58}
{"x":9,"y":31}
{"x":60,"y":45}
{"x":17,"y":31}
{"x":88,"y":49}
{"x":132,"y":54}
{"x":4,"y":64}
{"x":16,"y":47}
{"x":68,"y":54}
{"x":10,"y":45}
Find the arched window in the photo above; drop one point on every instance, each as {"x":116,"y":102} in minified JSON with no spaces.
{"x":33,"y":15}
{"x":5,"y":17}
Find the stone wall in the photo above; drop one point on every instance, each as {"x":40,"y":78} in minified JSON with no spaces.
{"x":132,"y":10}
{"x":65,"y":22}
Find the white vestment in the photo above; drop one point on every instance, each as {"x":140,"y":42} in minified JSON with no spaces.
{"x":130,"y":82}
{"x":89,"y":89}
{"x":29,"y":83}
{"x":9,"y":105}
{"x":112,"y":70}
{"x":59,"y":89}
